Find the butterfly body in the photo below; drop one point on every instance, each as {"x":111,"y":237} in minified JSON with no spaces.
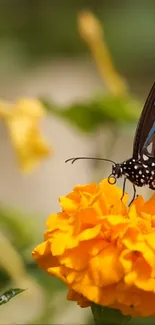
{"x":136,"y":172}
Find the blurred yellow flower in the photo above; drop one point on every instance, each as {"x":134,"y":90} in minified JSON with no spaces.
{"x":22,"y":120}
{"x":92,"y":32}
{"x":103,"y":250}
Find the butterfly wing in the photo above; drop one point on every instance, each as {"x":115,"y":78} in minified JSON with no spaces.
{"x":144,"y":142}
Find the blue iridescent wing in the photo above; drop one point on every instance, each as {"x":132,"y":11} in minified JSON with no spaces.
{"x":144,"y":143}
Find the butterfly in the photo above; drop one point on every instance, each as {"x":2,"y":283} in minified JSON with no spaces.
{"x":140,"y":169}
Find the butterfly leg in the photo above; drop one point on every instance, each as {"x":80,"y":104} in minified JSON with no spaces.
{"x":134,"y":194}
{"x":123,"y":191}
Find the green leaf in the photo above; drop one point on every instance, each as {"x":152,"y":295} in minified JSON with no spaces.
{"x":6,"y":296}
{"x":89,"y":115}
{"x":108,"y":316}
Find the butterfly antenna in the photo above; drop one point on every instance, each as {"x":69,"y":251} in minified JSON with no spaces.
{"x":72,"y":160}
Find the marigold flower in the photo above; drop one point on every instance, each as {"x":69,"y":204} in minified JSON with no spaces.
{"x":103,"y":250}
{"x":22,"y":120}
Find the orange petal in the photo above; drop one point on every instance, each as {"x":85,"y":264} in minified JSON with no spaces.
{"x":99,"y":267}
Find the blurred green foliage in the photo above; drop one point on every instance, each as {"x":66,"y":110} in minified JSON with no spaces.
{"x":100,"y":110}
{"x":43,"y":29}
{"x":22,"y":233}
{"x":19,"y":228}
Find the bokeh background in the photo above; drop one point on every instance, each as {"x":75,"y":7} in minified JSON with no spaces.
{"x":43,"y":56}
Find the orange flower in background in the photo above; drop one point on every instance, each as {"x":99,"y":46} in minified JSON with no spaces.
{"x":22,"y":120}
{"x":103,"y":250}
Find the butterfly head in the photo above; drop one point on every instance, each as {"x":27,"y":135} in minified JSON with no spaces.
{"x":117,"y":172}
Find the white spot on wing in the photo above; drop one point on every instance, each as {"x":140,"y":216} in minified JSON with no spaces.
{"x":145,"y":157}
{"x":150,"y":147}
